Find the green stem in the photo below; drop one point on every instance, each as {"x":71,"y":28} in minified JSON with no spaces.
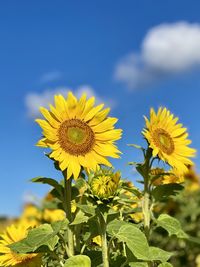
{"x":65,"y":246}
{"x":104,"y":244}
{"x":146,"y":213}
{"x":110,"y":244}
{"x":146,"y":200}
{"x":67,"y":207}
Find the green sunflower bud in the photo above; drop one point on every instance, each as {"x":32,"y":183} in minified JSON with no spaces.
{"x":105,"y":183}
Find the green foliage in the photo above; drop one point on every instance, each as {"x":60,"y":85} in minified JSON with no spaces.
{"x":165,"y":264}
{"x":87,"y":209}
{"x":136,"y":241}
{"x":171,"y":225}
{"x":103,"y":229}
{"x":162,"y":192}
{"x":157,"y":254}
{"x":78,"y":261}
{"x":132,"y":236}
{"x":138,"y":264}
{"x":185,"y":208}
{"x":50,"y":181}
{"x":41,"y":239}
{"x":80,"y":218}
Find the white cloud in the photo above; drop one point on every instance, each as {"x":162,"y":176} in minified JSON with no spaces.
{"x":35,"y":100}
{"x":166,"y":49}
{"x":50,"y":76}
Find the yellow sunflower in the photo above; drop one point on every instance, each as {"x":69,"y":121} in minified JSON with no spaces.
{"x":53,"y":215}
{"x":79,"y":134}
{"x":31,"y":215}
{"x":168,"y":139}
{"x":171,"y":176}
{"x":8,"y":258}
{"x":105,"y":183}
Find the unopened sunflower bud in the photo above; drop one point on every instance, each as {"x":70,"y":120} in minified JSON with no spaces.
{"x":105,"y":183}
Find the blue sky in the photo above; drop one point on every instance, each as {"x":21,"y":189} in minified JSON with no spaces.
{"x":131,"y":54}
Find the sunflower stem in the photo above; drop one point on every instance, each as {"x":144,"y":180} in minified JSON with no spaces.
{"x":67,"y":207}
{"x":146,"y":213}
{"x":102,"y":228}
{"x":146,"y":200}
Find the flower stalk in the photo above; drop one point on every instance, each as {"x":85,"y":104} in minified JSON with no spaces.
{"x":102,"y":224}
{"x":146,"y":200}
{"x":67,"y":207}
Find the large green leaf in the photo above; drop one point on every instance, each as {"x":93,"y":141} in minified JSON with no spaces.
{"x":138,"y":264}
{"x":136,"y":242}
{"x":157,"y":254}
{"x":50,"y":181}
{"x":195,"y":240}
{"x":171,"y":225}
{"x":60,"y":225}
{"x":78,"y":261}
{"x":80,"y":218}
{"x":132,"y":236}
{"x":165,"y":264}
{"x":88,"y":209}
{"x":162,"y":192}
{"x":42,"y":238}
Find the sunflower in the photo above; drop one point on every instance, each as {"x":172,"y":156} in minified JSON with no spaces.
{"x":8,"y":258}
{"x":166,"y":177}
{"x":31,"y":215}
{"x":53,"y":215}
{"x":168,"y":139}
{"x":105,"y":183}
{"x":79,"y":134}
{"x":192,"y":180}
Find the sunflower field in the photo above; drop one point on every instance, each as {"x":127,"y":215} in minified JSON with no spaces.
{"x":93,"y":217}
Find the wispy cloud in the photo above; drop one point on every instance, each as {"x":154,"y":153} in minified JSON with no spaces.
{"x":51,"y":76}
{"x":35,"y":100}
{"x":167,"y":49}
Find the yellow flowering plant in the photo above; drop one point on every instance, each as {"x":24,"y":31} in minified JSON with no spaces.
{"x":92,"y":216}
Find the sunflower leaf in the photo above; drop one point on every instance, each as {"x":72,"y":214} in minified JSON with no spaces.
{"x":137,"y":146}
{"x":171,"y":225}
{"x":80,"y":218}
{"x":157,"y":254}
{"x":77,"y":261}
{"x":162,"y":192}
{"x":50,"y":181}
{"x":132,"y":236}
{"x":138,"y":264}
{"x":88,"y":209}
{"x":165,"y":264}
{"x":41,"y":239}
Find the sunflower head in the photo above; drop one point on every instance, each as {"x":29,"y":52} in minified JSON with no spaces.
{"x":8,"y":258}
{"x":31,"y":213}
{"x":192,"y":180}
{"x":157,"y":176}
{"x":168,"y":139}
{"x":79,"y":134}
{"x":53,"y":215}
{"x":163,"y":177}
{"x":105,"y":183}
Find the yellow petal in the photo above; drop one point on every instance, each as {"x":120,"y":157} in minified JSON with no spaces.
{"x":93,"y":112}
{"x":107,"y":124}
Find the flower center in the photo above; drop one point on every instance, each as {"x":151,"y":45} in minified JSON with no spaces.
{"x":163,"y":140}
{"x":76,"y":137}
